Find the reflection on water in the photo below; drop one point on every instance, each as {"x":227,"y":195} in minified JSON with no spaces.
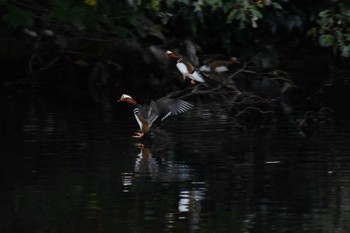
{"x":67,"y":171}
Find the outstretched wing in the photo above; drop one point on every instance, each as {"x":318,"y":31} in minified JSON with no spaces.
{"x":163,"y":108}
{"x":150,"y":112}
{"x":192,"y":52}
{"x":172,"y":107}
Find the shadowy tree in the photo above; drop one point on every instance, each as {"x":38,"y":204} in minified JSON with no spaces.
{"x":98,"y":47}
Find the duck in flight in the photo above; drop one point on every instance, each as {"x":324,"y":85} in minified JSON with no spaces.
{"x":160,"y":109}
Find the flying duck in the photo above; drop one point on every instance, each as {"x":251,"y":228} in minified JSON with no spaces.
{"x":186,"y":68}
{"x":188,"y":65}
{"x":162,"y":108}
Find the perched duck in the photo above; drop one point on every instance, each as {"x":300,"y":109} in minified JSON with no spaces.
{"x":186,"y":68}
{"x":219,"y":66}
{"x":146,"y":115}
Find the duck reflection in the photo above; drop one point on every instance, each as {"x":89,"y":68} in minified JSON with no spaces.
{"x":145,"y":162}
{"x":146,"y":165}
{"x":156,"y":168}
{"x":154,"y":160}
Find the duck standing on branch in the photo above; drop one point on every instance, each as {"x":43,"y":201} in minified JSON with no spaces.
{"x":187,"y":66}
{"x":162,"y":108}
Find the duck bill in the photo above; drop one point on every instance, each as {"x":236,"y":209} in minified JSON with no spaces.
{"x":168,"y":54}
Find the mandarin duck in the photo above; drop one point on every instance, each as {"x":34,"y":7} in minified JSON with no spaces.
{"x":187,"y":66}
{"x":219,"y":66}
{"x":162,"y":108}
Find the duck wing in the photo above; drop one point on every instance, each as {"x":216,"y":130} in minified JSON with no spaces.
{"x":191,"y":52}
{"x":149,"y":112}
{"x":164,"y":108}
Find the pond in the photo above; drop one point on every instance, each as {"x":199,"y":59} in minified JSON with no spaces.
{"x":73,"y":170}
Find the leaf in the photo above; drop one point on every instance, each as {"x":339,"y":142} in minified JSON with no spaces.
{"x":170,"y":3}
{"x":77,"y":15}
{"x":121,"y":31}
{"x":326,"y":40}
{"x":245,"y":4}
{"x":345,"y":51}
{"x":294,"y":22}
{"x":187,"y":2}
{"x":338,"y":35}
{"x":197,"y":7}
{"x":155,"y":5}
{"x":17,"y":17}
{"x":65,"y":12}
{"x":90,"y":2}
{"x":312,"y":32}
{"x":324,"y":14}
{"x":277,"y":6}
{"x":231,"y":15}
{"x":347,"y":36}
{"x":215,"y":4}
{"x":59,"y":10}
{"x":256,"y":13}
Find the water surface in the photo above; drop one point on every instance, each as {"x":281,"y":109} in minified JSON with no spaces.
{"x":70,"y":170}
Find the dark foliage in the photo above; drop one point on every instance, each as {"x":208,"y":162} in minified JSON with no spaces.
{"x":97,"y":49}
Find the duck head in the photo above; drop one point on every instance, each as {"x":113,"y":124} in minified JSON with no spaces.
{"x":233,"y":60}
{"x":171,"y":55}
{"x":128,"y":99}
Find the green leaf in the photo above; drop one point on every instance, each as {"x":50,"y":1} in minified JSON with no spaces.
{"x":338,"y":35}
{"x":187,"y":2}
{"x":121,"y":31}
{"x":155,"y":5}
{"x":345,"y":51}
{"x":65,"y":12}
{"x":277,"y":6}
{"x":215,"y":4}
{"x":231,"y":15}
{"x":60,"y":10}
{"x":326,"y":40}
{"x":312,"y":32}
{"x":170,"y":3}
{"x":77,"y":15}
{"x":17,"y":17}
{"x":245,"y":4}
{"x":256,"y":13}
{"x":324,"y":14}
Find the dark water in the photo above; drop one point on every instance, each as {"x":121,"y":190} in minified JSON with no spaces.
{"x":80,"y":171}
